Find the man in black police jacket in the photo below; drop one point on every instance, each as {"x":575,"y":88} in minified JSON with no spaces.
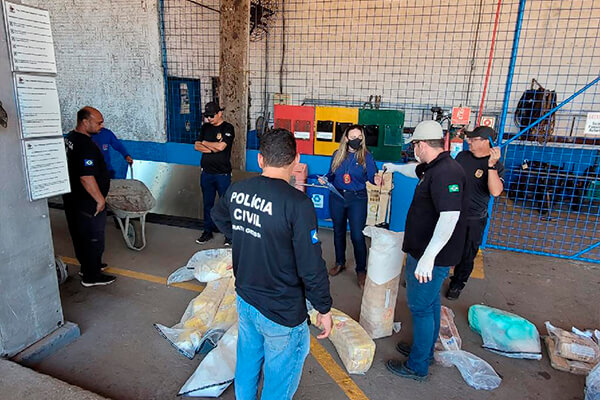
{"x":85,"y":205}
{"x":277,"y":263}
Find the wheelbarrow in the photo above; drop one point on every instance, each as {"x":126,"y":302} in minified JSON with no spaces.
{"x":130,"y":200}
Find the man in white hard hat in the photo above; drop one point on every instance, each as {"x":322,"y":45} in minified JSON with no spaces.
{"x":433,"y":241}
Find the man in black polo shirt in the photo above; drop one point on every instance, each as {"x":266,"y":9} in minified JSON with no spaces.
{"x":433,"y":240}
{"x":214,"y":142}
{"x":485,"y":177}
{"x":85,"y":205}
{"x":278,"y":264}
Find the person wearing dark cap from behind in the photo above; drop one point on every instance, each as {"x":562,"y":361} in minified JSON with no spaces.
{"x":214,"y":142}
{"x":485,"y":177}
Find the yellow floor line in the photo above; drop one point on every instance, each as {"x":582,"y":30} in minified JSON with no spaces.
{"x":141,"y":276}
{"x":339,"y":376}
{"x":478,"y":272}
{"x":336,"y":372}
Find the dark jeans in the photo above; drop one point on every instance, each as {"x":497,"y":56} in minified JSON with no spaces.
{"x":212,"y":184}
{"x":463,"y":269}
{"x":352,"y":209}
{"x":87,"y":234}
{"x":425,"y":308}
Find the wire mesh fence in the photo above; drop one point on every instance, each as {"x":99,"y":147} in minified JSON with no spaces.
{"x":414,"y":55}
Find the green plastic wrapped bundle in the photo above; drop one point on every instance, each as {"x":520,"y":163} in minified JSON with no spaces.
{"x":505,"y":333}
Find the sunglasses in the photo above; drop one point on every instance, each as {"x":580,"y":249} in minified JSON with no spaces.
{"x":209,"y":115}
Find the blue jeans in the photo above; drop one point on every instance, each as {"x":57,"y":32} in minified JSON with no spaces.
{"x":211,"y":184}
{"x":281,"y":349}
{"x":425,"y":307}
{"x":352,"y":209}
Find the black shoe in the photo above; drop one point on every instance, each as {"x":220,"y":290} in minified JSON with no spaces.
{"x":99,"y":280}
{"x":453,"y":293}
{"x":103,"y":266}
{"x":399,"y":368}
{"x":227,"y":242}
{"x":206,"y":236}
{"x":404,"y":349}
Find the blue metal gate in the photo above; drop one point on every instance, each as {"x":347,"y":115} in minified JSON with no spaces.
{"x":549,"y":135}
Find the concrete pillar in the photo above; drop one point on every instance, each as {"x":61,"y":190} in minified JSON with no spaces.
{"x":235,"y":40}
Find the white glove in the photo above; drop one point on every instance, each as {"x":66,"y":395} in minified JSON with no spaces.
{"x":405,"y":169}
{"x":424,"y":270}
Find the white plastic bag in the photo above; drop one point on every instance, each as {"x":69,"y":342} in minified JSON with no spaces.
{"x":216,"y":372}
{"x":383,"y":277}
{"x":207,"y":317}
{"x":475,"y":371}
{"x":205,"y":266}
{"x":592,"y":384}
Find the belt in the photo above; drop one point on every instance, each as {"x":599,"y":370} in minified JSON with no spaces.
{"x":352,"y":191}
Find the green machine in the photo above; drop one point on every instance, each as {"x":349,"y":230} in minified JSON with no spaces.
{"x":384,"y":133}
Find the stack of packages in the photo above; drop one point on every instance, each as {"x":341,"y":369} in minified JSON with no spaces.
{"x":576,"y":352}
{"x":209,"y":321}
{"x":379,"y":200}
{"x":383,"y":277}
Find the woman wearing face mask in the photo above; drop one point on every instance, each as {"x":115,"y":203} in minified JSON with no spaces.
{"x":351,"y":167}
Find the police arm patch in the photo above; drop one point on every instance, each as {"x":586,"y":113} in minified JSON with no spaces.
{"x":314,"y":238}
{"x":453,"y":188}
{"x":88,"y":163}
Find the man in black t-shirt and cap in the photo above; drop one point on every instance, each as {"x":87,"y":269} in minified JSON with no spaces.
{"x":485,"y":177}
{"x":214,"y":142}
{"x":433,"y":240}
{"x":278,"y":264}
{"x":85,"y":206}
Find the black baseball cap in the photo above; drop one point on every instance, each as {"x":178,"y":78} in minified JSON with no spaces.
{"x":211,"y":108}
{"x":484,"y":132}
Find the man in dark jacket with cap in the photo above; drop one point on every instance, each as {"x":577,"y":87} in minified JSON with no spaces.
{"x":214,"y":142}
{"x":485,"y":177}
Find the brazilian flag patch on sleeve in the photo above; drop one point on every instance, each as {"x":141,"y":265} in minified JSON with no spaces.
{"x":453,"y":188}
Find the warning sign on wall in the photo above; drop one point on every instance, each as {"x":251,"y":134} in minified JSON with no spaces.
{"x":592,"y":124}
{"x":461,"y":115}
{"x":488,"y":121}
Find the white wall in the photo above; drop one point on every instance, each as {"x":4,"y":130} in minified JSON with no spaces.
{"x":108,"y":56}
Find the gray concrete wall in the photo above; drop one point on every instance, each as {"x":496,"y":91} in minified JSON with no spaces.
{"x":29,"y":300}
{"x":108,"y":56}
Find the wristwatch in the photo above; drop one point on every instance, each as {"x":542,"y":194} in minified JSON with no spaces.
{"x":492,"y":167}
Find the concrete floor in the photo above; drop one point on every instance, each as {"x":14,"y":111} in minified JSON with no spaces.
{"x":120,"y":355}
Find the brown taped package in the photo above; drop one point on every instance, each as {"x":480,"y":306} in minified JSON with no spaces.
{"x":563,"y":364}
{"x":572,"y":346}
{"x":377,"y":308}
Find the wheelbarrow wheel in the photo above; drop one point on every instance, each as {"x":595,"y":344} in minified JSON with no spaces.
{"x":62,"y":271}
{"x":134,"y":234}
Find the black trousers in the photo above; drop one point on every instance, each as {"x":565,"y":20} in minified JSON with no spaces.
{"x":87,"y":234}
{"x":462,"y":271}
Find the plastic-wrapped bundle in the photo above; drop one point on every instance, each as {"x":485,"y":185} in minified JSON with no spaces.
{"x":475,"y":371}
{"x":573,"y":346}
{"x":198,"y":321}
{"x":205,"y":266}
{"x":505,"y":333}
{"x":353,"y":344}
{"x":381,"y":286}
{"x":449,"y":339}
{"x":592,"y":384}
{"x":216,"y":371}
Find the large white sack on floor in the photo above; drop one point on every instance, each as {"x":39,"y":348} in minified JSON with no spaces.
{"x":475,"y":371}
{"x":353,"y":344}
{"x":505,"y":333}
{"x":216,"y":372}
{"x":205,"y":266}
{"x":207,"y":317}
{"x":383,"y":277}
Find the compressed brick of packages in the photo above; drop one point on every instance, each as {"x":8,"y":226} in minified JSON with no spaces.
{"x":353,"y":344}
{"x":381,"y":286}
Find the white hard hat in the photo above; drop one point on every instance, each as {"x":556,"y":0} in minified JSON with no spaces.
{"x":427,"y":130}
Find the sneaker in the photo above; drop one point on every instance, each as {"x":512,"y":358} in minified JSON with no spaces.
{"x":227,"y":242}
{"x":453,"y":293}
{"x":100,"y":280}
{"x":103,"y":266}
{"x":206,"y":236}
{"x":399,"y":368}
